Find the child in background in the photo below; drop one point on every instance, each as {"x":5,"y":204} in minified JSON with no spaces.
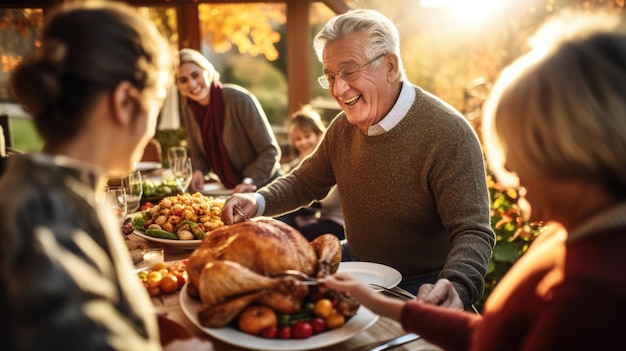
{"x":307,"y":130}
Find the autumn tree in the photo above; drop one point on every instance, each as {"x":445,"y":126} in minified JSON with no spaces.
{"x":251,"y":28}
{"x":18,"y":37}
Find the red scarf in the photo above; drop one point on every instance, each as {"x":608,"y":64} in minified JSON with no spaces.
{"x":211,"y":121}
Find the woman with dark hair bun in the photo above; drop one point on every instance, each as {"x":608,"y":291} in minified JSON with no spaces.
{"x":94,"y":90}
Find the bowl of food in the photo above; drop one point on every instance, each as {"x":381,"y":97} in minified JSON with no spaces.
{"x":180,"y":220}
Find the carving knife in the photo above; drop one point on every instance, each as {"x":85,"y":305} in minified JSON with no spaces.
{"x":400,"y":340}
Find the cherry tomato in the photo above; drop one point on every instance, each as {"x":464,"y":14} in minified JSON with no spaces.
{"x":323,"y":308}
{"x":284,"y":332}
{"x":269,"y":332}
{"x":302,"y":330}
{"x":146,"y":206}
{"x":318,"y":324}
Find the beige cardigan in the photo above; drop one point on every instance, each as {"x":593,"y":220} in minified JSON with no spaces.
{"x":248,"y":137}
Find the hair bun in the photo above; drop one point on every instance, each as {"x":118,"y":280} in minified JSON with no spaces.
{"x":36,"y":86}
{"x":53,"y":52}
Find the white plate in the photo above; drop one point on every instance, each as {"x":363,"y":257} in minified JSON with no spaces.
{"x":215,"y":189}
{"x":372,"y":273}
{"x":179,"y":244}
{"x":147,"y":166}
{"x":361,"y":321}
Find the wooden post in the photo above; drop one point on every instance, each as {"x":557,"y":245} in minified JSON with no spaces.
{"x":298,"y":55}
{"x":188,"y":25}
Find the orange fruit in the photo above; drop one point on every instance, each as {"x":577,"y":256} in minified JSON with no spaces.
{"x":160,"y":265}
{"x":323,"y":308}
{"x":253,"y":319}
{"x":335,"y":320}
{"x":169,"y":284}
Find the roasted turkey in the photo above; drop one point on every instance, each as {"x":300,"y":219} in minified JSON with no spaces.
{"x":236,"y":265}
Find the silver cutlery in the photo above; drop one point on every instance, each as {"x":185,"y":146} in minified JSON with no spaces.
{"x":400,"y":340}
{"x":391,"y":292}
{"x":301,"y":277}
{"x":240,"y":212}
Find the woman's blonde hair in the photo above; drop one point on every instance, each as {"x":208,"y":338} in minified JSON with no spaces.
{"x":560,"y":110}
{"x":193,"y":56}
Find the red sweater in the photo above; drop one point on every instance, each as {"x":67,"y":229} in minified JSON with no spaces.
{"x":558,"y":296}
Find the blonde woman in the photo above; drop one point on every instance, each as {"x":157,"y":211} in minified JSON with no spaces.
{"x":227,"y":130}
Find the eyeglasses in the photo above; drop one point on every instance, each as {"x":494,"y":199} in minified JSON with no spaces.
{"x":348,"y":75}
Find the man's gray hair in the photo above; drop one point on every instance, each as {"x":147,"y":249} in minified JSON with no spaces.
{"x":382,"y":34}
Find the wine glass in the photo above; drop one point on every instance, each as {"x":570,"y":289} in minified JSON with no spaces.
{"x":115,"y":198}
{"x":182,"y":172}
{"x":133,"y":186}
{"x":174,"y":153}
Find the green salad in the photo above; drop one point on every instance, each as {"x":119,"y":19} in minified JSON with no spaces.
{"x":152,"y":188}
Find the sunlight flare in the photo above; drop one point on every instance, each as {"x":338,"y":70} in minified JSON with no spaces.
{"x":466,"y":10}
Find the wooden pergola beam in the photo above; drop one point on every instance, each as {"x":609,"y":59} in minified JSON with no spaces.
{"x":298,"y":48}
{"x":338,"y":6}
{"x":188,"y":26}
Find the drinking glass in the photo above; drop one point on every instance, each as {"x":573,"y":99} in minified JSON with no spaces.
{"x":174,"y":153}
{"x":182,"y":172}
{"x":115,"y":198}
{"x":133,"y":186}
{"x":153,"y":255}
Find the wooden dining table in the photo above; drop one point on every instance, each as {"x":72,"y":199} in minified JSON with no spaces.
{"x":168,"y":306}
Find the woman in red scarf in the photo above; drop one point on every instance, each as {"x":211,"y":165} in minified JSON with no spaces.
{"x":227,"y":130}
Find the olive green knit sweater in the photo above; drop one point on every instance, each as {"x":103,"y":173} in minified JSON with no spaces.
{"x":414,"y":198}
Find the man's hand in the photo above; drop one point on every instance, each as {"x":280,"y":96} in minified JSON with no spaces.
{"x":247,"y":202}
{"x":442,"y":293}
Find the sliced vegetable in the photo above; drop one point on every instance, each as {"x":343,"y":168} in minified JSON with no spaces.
{"x":198,"y":233}
{"x":160,"y":233}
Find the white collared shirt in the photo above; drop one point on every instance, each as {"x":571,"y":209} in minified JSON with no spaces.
{"x":397,"y":113}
